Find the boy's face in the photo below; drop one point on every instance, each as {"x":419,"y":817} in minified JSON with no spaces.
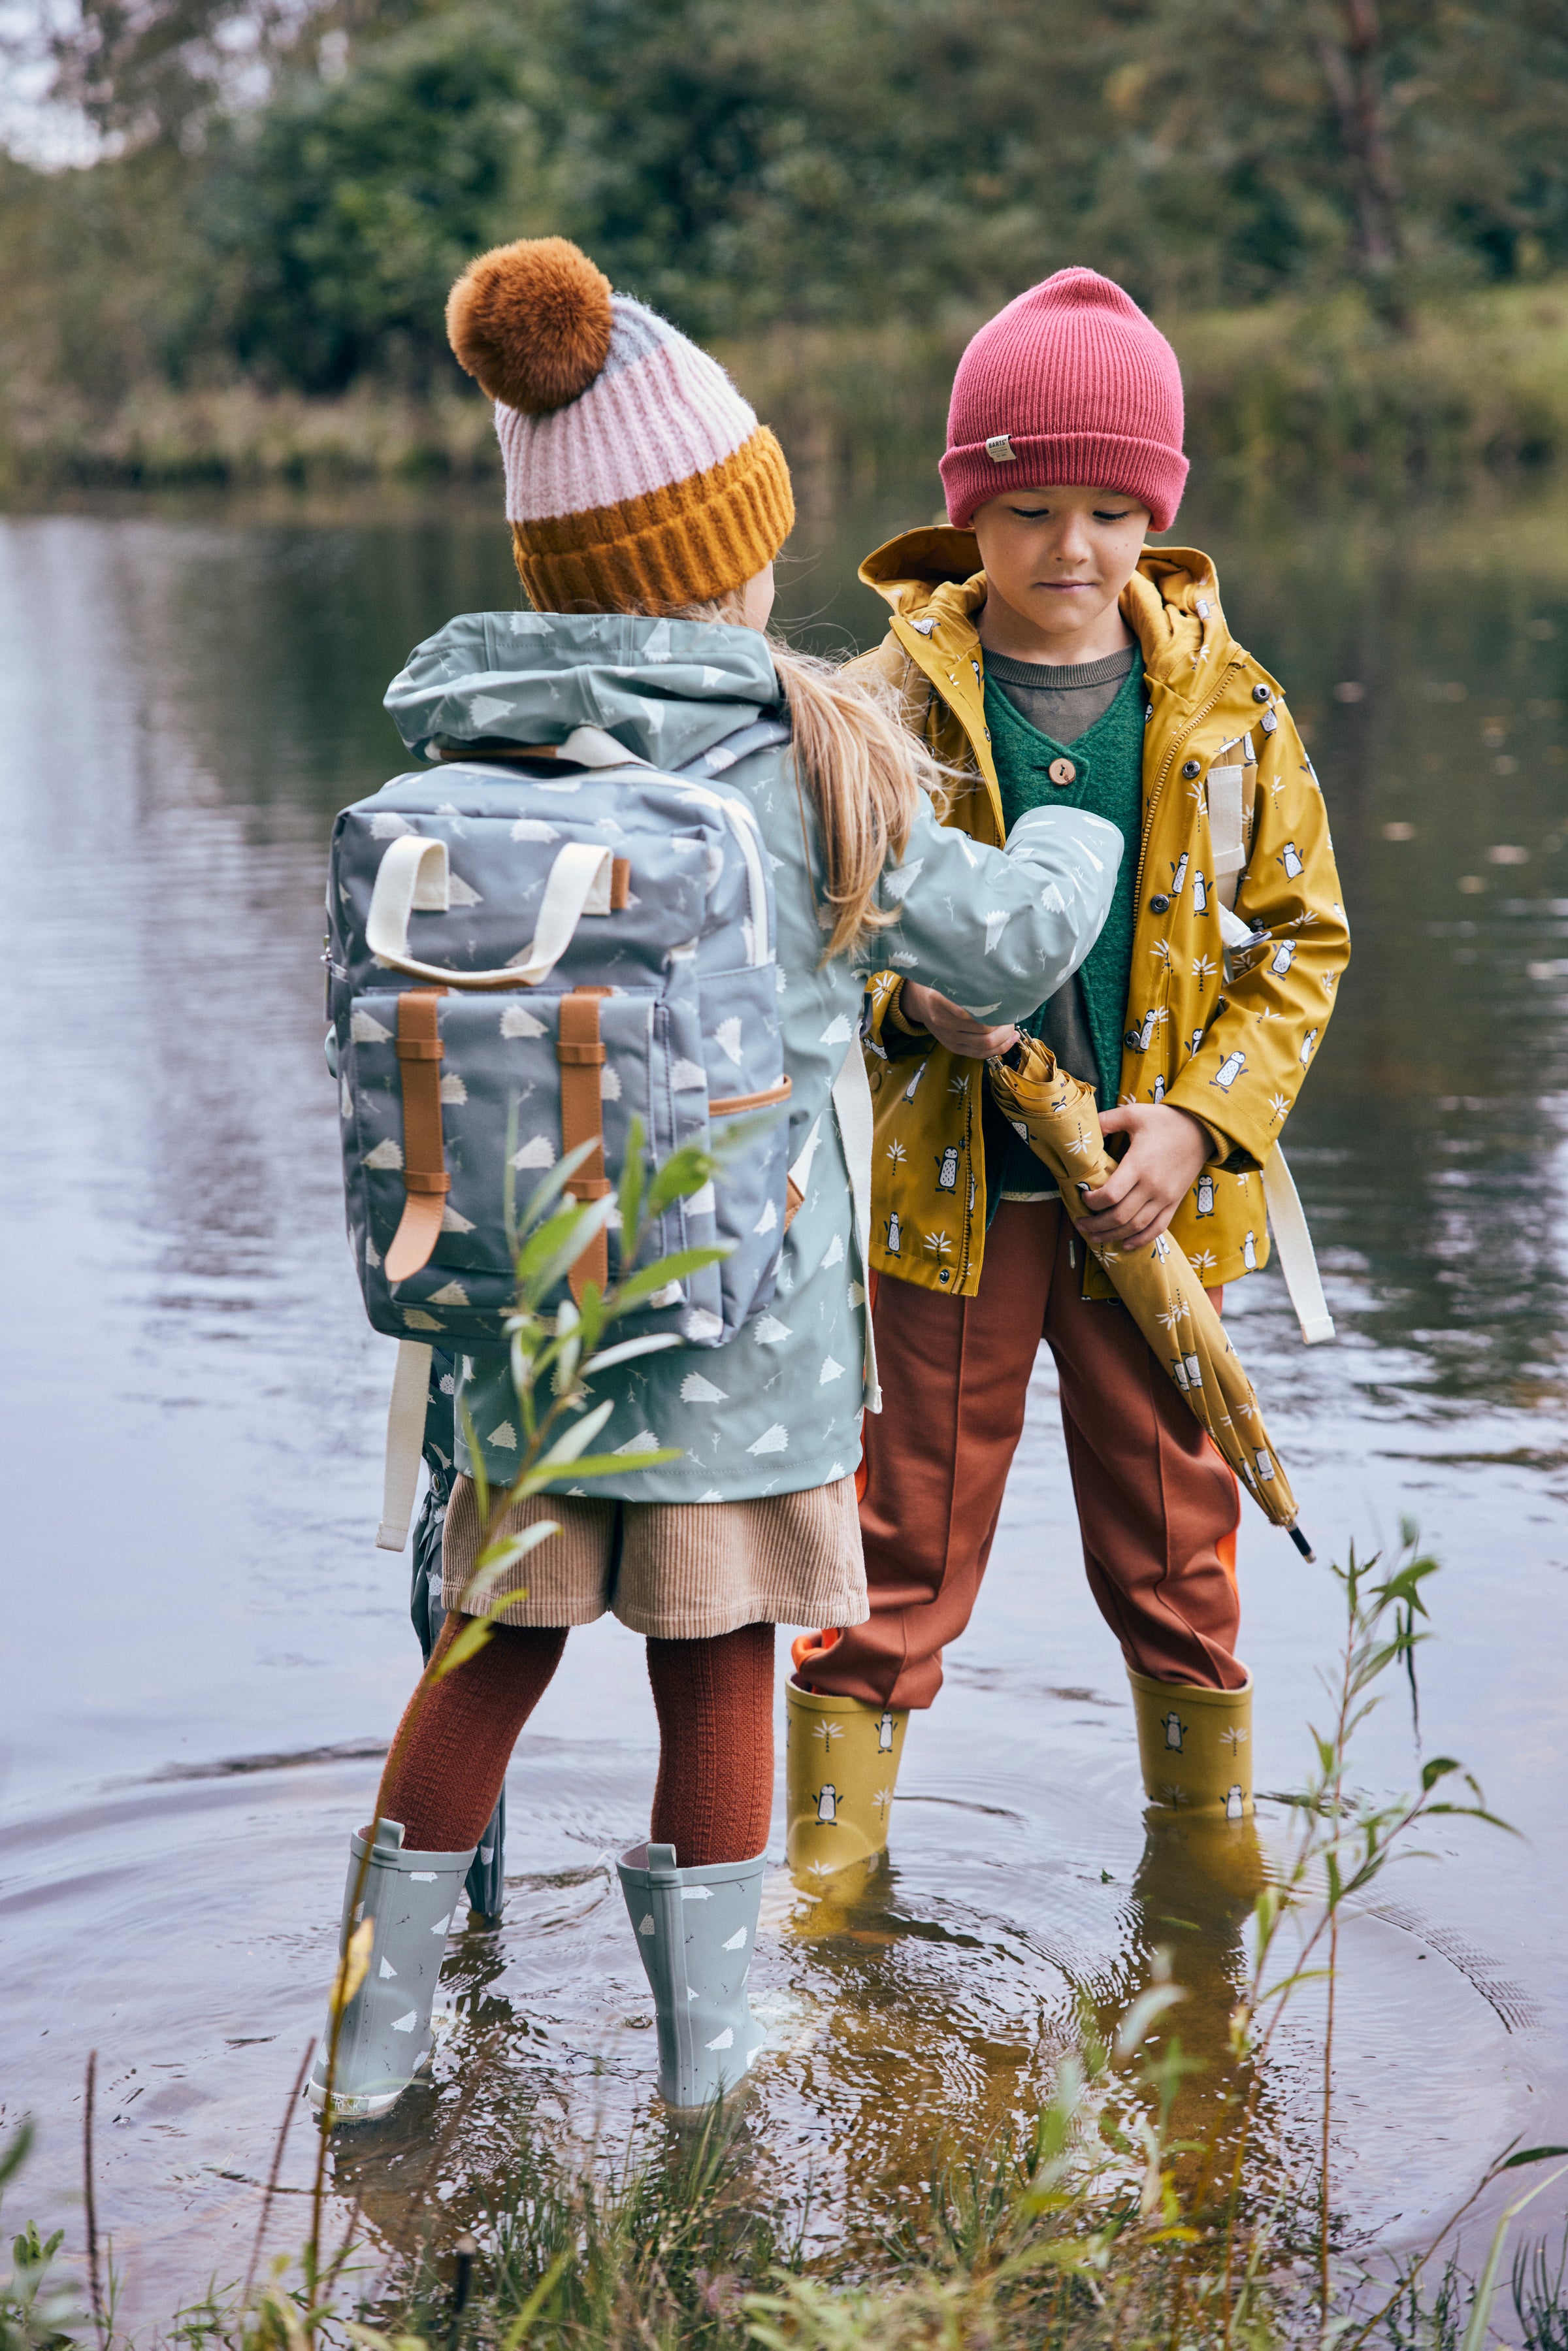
{"x":1057,"y":559}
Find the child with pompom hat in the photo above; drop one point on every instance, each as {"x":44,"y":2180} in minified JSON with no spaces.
{"x":1059,"y":662}
{"x":646,"y":505}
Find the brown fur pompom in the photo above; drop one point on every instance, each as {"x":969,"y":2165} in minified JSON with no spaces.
{"x":530,"y":322}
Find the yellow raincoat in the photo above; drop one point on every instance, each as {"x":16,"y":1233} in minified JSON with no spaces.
{"x":1232,"y":1051}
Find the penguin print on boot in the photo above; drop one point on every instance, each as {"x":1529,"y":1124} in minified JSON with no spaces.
{"x":841,"y":1767}
{"x":1191,"y":1746}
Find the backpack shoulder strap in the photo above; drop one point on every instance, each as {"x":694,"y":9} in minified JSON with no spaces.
{"x":1233,"y":797}
{"x":405,"y":1436}
{"x":855,"y":1115}
{"x":1231,"y":779}
{"x":1293,"y":1249}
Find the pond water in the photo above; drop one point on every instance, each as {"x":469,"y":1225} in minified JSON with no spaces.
{"x":204,"y":1652}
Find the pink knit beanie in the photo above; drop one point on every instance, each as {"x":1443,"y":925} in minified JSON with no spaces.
{"x":1070,"y":383}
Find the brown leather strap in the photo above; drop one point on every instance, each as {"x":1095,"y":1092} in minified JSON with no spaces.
{"x":727,"y":1105}
{"x":491,"y":752}
{"x":580,"y":1052}
{"x":425,"y":1178}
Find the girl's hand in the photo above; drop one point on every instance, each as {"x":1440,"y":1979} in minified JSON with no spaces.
{"x":951,"y":1025}
{"x":1164,"y":1155}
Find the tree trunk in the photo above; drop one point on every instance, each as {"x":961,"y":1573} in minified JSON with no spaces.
{"x":1351,"y":53}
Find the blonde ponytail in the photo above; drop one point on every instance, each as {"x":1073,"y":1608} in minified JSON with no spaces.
{"x":866,"y":775}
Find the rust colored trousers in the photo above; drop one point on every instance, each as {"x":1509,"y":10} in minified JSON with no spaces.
{"x":1157,"y":1508}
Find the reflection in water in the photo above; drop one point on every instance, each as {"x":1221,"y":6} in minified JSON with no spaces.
{"x":1192,"y":1896}
{"x":214,"y":1652}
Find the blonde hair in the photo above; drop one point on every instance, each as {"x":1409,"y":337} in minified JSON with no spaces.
{"x":865,"y":773}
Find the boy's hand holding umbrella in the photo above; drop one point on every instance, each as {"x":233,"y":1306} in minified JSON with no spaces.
{"x":1166,"y":1152}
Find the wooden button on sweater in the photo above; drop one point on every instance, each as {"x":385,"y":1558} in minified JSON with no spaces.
{"x":1062,"y":771}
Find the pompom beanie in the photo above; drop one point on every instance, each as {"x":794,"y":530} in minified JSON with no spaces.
{"x":1070,"y":383}
{"x":636,"y":475}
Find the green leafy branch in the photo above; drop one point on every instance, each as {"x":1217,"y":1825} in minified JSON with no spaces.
{"x":553,"y":1357}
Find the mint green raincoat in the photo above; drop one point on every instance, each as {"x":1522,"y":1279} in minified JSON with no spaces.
{"x":778,"y":1409}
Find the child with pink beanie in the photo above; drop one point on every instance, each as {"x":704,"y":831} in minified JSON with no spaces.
{"x":1057,"y":661}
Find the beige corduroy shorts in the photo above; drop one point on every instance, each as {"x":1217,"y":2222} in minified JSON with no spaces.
{"x":675,"y":1571}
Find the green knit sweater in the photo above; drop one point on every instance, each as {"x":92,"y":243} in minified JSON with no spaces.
{"x":1108,"y":765}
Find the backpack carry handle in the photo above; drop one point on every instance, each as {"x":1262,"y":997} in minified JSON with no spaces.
{"x":414,"y":876}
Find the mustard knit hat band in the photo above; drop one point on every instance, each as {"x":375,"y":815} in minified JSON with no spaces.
{"x":691,"y":542}
{"x":636,"y":475}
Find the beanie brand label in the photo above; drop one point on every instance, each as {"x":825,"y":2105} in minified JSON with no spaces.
{"x":1114,"y":389}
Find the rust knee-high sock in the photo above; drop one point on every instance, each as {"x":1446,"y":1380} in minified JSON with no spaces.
{"x":444,"y":1781}
{"x":715,"y":1704}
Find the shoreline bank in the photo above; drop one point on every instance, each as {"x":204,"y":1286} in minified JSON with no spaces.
{"x":1285,"y":392}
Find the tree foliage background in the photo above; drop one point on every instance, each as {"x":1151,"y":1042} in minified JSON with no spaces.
{"x":286,"y":190}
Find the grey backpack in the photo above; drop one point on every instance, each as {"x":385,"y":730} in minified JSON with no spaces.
{"x":522,"y":956}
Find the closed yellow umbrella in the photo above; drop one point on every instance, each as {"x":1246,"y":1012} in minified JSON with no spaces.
{"x":1056,"y":1117}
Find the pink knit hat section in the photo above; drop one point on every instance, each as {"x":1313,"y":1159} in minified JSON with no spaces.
{"x":1070,"y":383}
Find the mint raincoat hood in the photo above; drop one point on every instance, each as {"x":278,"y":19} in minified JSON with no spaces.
{"x":665,"y":690}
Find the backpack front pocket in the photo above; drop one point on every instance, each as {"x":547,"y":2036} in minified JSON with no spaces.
{"x":499,"y":1084}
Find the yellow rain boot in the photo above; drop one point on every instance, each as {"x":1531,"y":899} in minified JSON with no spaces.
{"x":1194,"y":1746}
{"x":841,"y":1766}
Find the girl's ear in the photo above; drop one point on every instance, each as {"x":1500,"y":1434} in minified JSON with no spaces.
{"x":755,"y":603}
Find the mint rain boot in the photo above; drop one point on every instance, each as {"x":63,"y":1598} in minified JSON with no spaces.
{"x":696,"y":1930}
{"x":386,"y":2038}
